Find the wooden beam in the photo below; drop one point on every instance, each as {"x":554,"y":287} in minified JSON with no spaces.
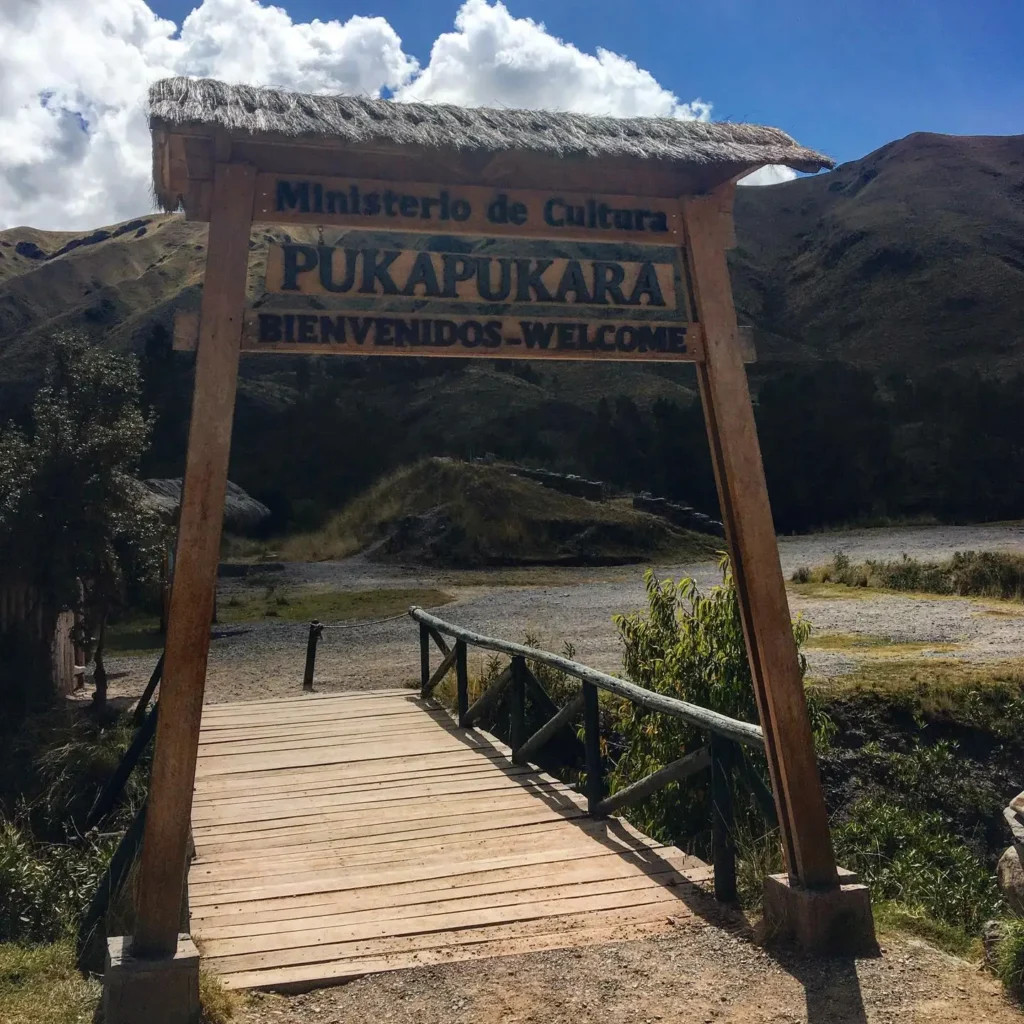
{"x":675,"y":771}
{"x":747,"y":516}
{"x":439,"y":673}
{"x":488,"y":699}
{"x":192,"y":596}
{"x":558,"y":721}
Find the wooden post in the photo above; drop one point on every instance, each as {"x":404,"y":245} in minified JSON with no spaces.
{"x":746,"y":513}
{"x":592,"y":746}
{"x":424,"y":660}
{"x":723,"y":844}
{"x":195,"y":572}
{"x":315,"y":631}
{"x":462,"y":681}
{"x":517,"y":704}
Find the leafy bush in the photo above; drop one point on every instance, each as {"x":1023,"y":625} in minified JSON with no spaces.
{"x":72,"y":525}
{"x":45,"y":887}
{"x":49,"y":870}
{"x":690,"y":646}
{"x":913,"y":858}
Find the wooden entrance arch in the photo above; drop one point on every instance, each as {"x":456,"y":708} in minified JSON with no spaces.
{"x":632,"y":218}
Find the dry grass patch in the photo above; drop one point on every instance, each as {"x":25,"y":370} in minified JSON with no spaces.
{"x":873,"y":646}
{"x":40,"y":985}
{"x":453,"y":513}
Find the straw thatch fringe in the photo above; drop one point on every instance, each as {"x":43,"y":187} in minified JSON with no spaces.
{"x":246,"y":109}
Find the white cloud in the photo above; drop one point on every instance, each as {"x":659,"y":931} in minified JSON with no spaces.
{"x":74,"y":144}
{"x":494,"y":59}
{"x":773,"y":174}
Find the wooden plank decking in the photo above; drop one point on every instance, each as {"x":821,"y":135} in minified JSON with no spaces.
{"x":348,"y":834}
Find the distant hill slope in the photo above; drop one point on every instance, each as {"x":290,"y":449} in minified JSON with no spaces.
{"x":454,"y":513}
{"x":913,"y":255}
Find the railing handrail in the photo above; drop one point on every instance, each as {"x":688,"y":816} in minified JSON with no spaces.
{"x":704,"y":718}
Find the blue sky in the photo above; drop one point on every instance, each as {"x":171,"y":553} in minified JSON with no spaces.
{"x":75,"y":148}
{"x":843,"y":78}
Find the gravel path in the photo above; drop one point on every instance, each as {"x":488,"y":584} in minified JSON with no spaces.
{"x":576,"y":605}
{"x":697,"y":975}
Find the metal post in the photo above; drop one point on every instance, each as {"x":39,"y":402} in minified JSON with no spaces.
{"x":517,"y":704}
{"x":592,"y":746}
{"x":462,"y":681}
{"x":424,"y":660}
{"x":723,"y":847}
{"x":315,"y":630}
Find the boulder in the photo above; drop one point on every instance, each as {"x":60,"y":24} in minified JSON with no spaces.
{"x":1010,"y":878}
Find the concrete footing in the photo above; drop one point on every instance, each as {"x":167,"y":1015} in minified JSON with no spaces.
{"x":833,"y":922}
{"x":159,"y":991}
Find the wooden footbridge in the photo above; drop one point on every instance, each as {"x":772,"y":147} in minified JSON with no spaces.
{"x":339,"y":835}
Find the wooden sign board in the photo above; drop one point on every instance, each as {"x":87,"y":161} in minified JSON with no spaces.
{"x":465,"y":210}
{"x":386,"y":293}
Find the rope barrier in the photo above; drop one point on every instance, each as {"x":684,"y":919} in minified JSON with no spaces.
{"x":304,"y":623}
{"x":367,"y":622}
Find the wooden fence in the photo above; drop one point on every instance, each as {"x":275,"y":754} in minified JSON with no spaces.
{"x":723,"y":754}
{"x":21,"y":611}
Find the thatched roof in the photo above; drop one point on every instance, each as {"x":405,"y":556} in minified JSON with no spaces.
{"x":176,"y":103}
{"x":241,"y":512}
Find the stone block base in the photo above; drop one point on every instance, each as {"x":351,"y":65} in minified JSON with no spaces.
{"x":159,"y":991}
{"x":834,"y":922}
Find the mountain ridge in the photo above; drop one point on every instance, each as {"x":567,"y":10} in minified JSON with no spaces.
{"x":911,"y":256}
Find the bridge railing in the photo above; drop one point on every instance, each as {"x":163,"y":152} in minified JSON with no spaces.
{"x":723,"y":754}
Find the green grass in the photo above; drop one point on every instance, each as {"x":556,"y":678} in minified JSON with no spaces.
{"x":135,"y":634}
{"x":1010,"y":956}
{"x":894,"y":917}
{"x":140,"y":634}
{"x":835,"y":591}
{"x":871,"y":645}
{"x":932,"y":683}
{"x":40,"y":985}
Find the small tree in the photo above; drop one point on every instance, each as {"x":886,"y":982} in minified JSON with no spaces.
{"x":72,"y":522}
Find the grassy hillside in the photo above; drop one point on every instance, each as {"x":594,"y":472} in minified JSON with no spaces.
{"x":912,"y":256}
{"x":453,"y":513}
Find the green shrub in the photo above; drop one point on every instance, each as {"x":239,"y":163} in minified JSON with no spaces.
{"x":913,"y":858}
{"x":53,"y":772}
{"x":992,"y":574}
{"x":687,"y":645}
{"x":1009,"y":959}
{"x":45,"y":887}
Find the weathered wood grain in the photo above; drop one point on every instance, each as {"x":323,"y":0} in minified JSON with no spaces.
{"x":397,"y":840}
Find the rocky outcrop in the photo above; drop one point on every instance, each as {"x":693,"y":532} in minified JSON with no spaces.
{"x":1010,"y":870}
{"x":242,"y":512}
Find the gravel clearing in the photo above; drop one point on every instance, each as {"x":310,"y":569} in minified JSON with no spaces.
{"x":698,"y":973}
{"x":265,"y":659}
